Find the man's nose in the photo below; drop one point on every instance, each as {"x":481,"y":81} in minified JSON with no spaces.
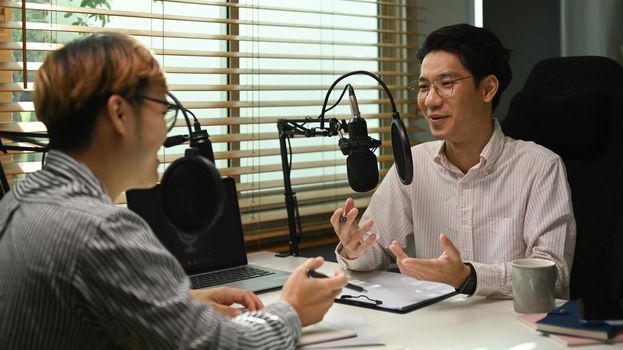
{"x":433,"y":98}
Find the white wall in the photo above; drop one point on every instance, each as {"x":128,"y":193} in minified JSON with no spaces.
{"x":439,"y":13}
{"x":592,"y":28}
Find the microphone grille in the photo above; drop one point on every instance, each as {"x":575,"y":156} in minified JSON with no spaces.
{"x":362,"y":170}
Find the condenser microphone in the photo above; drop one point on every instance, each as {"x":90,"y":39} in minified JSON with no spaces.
{"x":191,"y":188}
{"x":361,"y":165}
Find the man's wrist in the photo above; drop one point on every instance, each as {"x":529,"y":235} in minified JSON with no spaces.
{"x":342,"y":251}
{"x":469,"y":285}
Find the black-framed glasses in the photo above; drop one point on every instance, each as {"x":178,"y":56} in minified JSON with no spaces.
{"x":443,"y":85}
{"x":173,"y":109}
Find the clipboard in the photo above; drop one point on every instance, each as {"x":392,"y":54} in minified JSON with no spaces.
{"x":393,"y":292}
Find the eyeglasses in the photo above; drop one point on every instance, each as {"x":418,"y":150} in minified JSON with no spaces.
{"x":444,"y":87}
{"x":172,"y":109}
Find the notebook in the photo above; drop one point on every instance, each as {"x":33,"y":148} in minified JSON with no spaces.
{"x":214,"y":258}
{"x":566,"y":320}
{"x":571,"y":341}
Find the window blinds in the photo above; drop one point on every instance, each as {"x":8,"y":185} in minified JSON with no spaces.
{"x":239,"y":66}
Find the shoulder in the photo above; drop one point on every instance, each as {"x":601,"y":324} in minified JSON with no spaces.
{"x":82,"y":220}
{"x":426,"y":149}
{"x":528,"y":151}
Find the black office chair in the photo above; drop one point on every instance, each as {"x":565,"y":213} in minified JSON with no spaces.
{"x":574,"y":106}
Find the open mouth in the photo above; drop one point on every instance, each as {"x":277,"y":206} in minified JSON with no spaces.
{"x":437,"y":118}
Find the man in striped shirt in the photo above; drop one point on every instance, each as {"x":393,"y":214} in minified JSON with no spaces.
{"x":77,"y":271}
{"x":478,"y":199}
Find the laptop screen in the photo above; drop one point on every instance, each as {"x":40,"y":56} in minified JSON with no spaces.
{"x":222,"y":246}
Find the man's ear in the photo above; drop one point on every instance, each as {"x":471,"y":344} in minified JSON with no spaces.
{"x":490,"y":87}
{"x":117,"y":112}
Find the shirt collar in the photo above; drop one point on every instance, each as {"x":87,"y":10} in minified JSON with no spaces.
{"x":489,"y":154}
{"x":62,"y":175}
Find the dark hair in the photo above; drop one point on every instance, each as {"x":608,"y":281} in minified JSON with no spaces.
{"x":479,"y":49}
{"x":74,"y":83}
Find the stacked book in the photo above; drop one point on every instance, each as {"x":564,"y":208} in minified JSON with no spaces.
{"x":564,"y":325}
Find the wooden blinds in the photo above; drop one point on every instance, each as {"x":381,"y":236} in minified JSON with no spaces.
{"x":239,"y":66}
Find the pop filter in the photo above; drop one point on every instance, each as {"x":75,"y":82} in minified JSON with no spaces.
{"x":402,"y":151}
{"x":191,"y":189}
{"x":192,"y":194}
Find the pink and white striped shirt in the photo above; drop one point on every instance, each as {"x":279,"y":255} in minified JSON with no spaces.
{"x":515,"y":203}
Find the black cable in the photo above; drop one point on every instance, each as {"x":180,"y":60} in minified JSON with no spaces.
{"x":376,"y":301}
{"x":336,"y":103}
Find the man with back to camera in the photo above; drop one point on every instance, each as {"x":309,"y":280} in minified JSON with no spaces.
{"x":79,"y":272}
{"x":478,"y":199}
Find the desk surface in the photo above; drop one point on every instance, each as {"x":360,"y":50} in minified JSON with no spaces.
{"x":458,"y":322}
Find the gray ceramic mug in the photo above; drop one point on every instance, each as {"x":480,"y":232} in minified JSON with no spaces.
{"x":534,"y":285}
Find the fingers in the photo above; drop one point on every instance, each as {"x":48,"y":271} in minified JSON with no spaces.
{"x":227,"y":296}
{"x":349,"y":204}
{"x":340,"y":281}
{"x":335,"y":220}
{"x":449,"y":247}
{"x":336,"y":282}
{"x":358,"y":234}
{"x":345,"y":219}
{"x":226,"y":310}
{"x":397,"y":250}
{"x":251,"y":302}
{"x":310,"y":264}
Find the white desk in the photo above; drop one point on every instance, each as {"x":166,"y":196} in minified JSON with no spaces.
{"x":458,"y":322}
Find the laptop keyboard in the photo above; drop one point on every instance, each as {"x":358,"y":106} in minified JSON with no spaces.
{"x":220,"y":277}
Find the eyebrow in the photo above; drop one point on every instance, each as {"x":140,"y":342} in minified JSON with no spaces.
{"x":442,"y":75}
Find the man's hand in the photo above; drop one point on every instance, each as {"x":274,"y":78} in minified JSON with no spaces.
{"x":447,"y":268}
{"x":222,"y":298}
{"x":355,"y":240}
{"x":312,"y":297}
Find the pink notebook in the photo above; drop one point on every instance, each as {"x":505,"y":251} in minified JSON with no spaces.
{"x":530,"y":321}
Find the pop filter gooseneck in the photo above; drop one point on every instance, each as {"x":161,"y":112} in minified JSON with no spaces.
{"x":400,"y":138}
{"x":191,"y":188}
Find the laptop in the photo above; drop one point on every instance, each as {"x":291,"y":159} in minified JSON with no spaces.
{"x":214,"y":258}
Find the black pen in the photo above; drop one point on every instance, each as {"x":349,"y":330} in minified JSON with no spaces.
{"x":316,"y":274}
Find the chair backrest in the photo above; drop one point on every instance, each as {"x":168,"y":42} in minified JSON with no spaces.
{"x":574,"y":106}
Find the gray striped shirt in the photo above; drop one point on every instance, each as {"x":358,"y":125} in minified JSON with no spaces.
{"x":515,"y":203}
{"x":79,"y":272}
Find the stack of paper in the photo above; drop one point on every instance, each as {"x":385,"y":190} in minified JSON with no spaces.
{"x":323,"y":332}
{"x":351,"y":332}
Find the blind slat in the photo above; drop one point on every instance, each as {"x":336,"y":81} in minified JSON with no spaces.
{"x":29,"y":106}
{"x":148,"y":15}
{"x":19,"y":87}
{"x":189,"y":35}
{"x":33,"y":66}
{"x":305,"y":210}
{"x":289,"y":9}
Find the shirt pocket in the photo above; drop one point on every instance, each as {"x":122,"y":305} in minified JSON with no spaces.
{"x":505,"y":239}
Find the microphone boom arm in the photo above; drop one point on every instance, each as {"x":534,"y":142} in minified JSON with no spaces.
{"x":290,"y":128}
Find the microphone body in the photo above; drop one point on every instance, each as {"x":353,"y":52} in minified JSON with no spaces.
{"x":200,"y":140}
{"x":361,"y":165}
